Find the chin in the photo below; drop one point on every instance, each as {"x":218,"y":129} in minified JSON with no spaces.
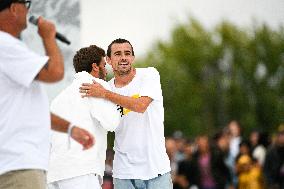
{"x":124,"y":72}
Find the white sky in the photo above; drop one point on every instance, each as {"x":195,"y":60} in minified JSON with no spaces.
{"x":142,"y":22}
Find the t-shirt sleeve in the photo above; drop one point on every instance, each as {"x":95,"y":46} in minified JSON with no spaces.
{"x":23,"y":63}
{"x":105,"y":111}
{"x":56,"y":105}
{"x":151,"y":85}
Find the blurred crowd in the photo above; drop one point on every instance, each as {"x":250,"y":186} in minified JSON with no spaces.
{"x":225,"y":160}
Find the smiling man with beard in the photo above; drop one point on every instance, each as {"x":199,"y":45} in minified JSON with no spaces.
{"x":140,"y":159}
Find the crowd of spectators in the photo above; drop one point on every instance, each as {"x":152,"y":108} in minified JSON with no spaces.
{"x":225,"y":160}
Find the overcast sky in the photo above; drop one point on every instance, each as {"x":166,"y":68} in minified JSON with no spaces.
{"x":144,"y":21}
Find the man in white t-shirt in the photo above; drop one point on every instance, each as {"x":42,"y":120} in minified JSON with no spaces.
{"x":70,"y":166}
{"x":140,"y":159}
{"x":24,"y":114}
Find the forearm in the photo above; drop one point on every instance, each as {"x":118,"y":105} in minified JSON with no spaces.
{"x":54,"y":71}
{"x":135,"y":104}
{"x":59,"y":124}
{"x":80,"y":135}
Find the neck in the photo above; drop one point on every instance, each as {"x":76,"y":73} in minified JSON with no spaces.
{"x":123,"y":80}
{"x":7,"y":26}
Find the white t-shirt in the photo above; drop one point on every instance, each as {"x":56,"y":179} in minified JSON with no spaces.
{"x":24,"y":112}
{"x":234,"y":146}
{"x":259,"y":154}
{"x":96,"y":115}
{"x":140,"y":151}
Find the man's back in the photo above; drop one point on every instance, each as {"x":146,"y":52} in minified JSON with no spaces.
{"x":86,"y":112}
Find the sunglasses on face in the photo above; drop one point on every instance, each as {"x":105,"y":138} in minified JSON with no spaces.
{"x":27,"y":3}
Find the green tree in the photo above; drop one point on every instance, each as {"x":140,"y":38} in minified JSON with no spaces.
{"x":210,"y":77}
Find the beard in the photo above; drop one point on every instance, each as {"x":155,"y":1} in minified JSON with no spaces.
{"x":102,"y":74}
{"x":124,"y":71}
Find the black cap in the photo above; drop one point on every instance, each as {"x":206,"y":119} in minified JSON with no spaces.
{"x":5,"y":4}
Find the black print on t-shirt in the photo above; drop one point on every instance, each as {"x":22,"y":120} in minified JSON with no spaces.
{"x":120,"y":109}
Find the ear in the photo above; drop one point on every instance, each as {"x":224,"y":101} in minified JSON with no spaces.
{"x":108,"y":60}
{"x":13,"y":9}
{"x":95,"y":67}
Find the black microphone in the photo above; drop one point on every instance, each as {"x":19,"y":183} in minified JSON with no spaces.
{"x":58,"y":36}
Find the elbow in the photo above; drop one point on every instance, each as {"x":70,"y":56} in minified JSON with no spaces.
{"x":141,"y":109}
{"x":56,"y":70}
{"x":51,"y":75}
{"x":54,"y":77}
{"x":58,"y":75}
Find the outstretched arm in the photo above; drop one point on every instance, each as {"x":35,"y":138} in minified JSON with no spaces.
{"x":97,"y":90}
{"x":80,"y":135}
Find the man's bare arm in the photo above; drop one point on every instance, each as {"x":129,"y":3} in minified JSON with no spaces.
{"x":54,"y":69}
{"x":80,"y":135}
{"x":97,"y":90}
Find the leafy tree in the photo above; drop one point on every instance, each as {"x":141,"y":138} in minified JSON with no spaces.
{"x":210,"y":77}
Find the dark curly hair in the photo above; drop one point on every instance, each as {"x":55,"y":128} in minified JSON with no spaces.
{"x":120,"y":41}
{"x":85,"y":57}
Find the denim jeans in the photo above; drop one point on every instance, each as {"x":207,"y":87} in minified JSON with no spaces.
{"x":161,"y":182}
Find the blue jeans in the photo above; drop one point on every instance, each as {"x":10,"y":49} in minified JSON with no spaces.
{"x":161,"y":182}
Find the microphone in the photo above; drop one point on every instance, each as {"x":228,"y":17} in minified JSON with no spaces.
{"x":58,"y":36}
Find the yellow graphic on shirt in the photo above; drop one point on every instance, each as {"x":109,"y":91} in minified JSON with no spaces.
{"x":126,"y":111}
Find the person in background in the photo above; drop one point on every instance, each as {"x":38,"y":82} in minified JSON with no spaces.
{"x":274,"y":162}
{"x":171,"y":149}
{"x":249,"y":173}
{"x":186,"y":178}
{"x":258,"y":141}
{"x":108,"y":180}
{"x":235,"y":132}
{"x":220,"y":153}
{"x":203,"y":158}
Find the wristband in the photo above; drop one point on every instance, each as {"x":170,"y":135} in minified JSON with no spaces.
{"x":69,"y":132}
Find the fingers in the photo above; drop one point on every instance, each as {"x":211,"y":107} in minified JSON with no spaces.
{"x":83,"y":137}
{"x":86,"y":84}
{"x":91,"y":90}
{"x":89,"y":141}
{"x":84,"y":93}
{"x":46,"y":29}
{"x":88,"y":145}
{"x":84,"y":89}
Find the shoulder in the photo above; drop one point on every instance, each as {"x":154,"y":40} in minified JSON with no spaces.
{"x":104,"y":83}
{"x":148,"y":71}
{"x":7,"y":40}
{"x":83,"y":77}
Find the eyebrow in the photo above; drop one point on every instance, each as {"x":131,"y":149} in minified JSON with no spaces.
{"x":127,"y":51}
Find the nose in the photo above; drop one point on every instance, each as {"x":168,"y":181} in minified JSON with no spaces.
{"x":123,"y":56}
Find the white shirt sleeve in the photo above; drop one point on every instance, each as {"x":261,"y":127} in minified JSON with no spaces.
{"x":24,"y":64}
{"x":151,"y":85}
{"x":105,"y":111}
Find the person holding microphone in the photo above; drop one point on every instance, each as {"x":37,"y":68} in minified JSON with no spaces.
{"x":24,"y":114}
